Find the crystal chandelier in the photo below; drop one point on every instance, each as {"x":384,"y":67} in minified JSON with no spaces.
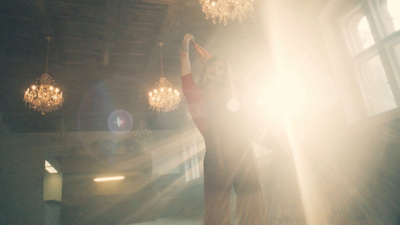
{"x":44,"y":96}
{"x":163,"y":98}
{"x":227,"y":9}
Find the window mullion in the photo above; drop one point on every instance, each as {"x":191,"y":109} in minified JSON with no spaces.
{"x":385,"y":54}
{"x":392,"y":38}
{"x":367,"y":53}
{"x":374,"y":21}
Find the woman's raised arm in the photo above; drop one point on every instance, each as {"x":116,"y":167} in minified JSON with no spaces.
{"x":184,"y":54}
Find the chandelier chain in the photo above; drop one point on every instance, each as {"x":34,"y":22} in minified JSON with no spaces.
{"x":161,"y":59}
{"x":47,"y":54}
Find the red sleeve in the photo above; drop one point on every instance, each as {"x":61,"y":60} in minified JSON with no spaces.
{"x":196,"y":102}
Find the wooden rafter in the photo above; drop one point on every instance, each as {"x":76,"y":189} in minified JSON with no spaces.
{"x":111,"y":8}
{"x":165,"y":31}
{"x":47,"y":26}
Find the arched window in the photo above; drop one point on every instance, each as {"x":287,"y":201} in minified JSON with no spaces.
{"x":372,"y":31}
{"x":361,"y":33}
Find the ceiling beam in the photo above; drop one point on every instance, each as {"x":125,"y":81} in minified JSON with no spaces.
{"x":165,"y":32}
{"x":111,"y":9}
{"x":47,"y":26}
{"x":162,"y":1}
{"x":181,"y":2}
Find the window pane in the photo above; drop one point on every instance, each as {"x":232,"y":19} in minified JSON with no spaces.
{"x":362,"y":37}
{"x":376,"y":87}
{"x":391,"y":15}
{"x":365,"y":33}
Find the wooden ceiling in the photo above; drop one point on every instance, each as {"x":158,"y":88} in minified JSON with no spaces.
{"x":104,"y":55}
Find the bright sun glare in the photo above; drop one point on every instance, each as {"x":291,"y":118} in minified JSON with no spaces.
{"x":394,"y":10}
{"x":285,"y":98}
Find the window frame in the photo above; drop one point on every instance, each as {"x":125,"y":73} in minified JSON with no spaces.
{"x":336,"y":22}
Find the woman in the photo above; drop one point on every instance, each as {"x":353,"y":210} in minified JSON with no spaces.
{"x":228,"y":161}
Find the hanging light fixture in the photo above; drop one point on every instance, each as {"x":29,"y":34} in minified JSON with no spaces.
{"x":163,"y":98}
{"x":142,"y":133}
{"x":61,"y":135}
{"x":227,"y":9}
{"x":44,"y":96}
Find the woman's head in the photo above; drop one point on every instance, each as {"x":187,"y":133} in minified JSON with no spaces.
{"x":215,"y":73}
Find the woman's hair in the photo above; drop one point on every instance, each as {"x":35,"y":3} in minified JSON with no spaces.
{"x":226,"y":80}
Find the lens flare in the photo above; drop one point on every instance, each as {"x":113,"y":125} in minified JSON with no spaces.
{"x":233,"y":105}
{"x":120,"y":122}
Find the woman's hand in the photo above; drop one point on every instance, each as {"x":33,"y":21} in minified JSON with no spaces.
{"x":186,"y":41}
{"x":185,"y":62}
{"x":188,"y":38}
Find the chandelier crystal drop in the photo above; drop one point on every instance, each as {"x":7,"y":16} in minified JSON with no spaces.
{"x":163,"y":98}
{"x":142,"y":133}
{"x":44,"y":96}
{"x":227,"y":9}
